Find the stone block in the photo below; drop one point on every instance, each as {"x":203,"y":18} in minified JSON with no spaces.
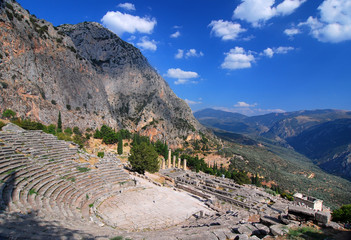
{"x":242,"y":237}
{"x":247,"y":229}
{"x":323,"y":217}
{"x":333,"y":225}
{"x":302,"y":211}
{"x":268,"y":220}
{"x":279,"y":229}
{"x":263,"y":229}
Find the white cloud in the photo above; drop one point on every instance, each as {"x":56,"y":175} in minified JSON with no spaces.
{"x":175,"y":35}
{"x":146,"y":44}
{"x":127,"y":6}
{"x":237,"y":58}
{"x":226,"y":30}
{"x":291,"y":31}
{"x":190,"y":102}
{"x":182,"y":76}
{"x":179,"y":54}
{"x":244,"y":104}
{"x":193,"y":53}
{"x":334,"y":22}
{"x":269,"y":52}
{"x":188,"y":53}
{"x":257,"y":12}
{"x":120,"y":23}
{"x":283,"y":50}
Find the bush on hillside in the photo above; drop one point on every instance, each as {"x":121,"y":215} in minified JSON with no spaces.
{"x":8,"y":113}
{"x":343,"y":214}
{"x":2,"y":124}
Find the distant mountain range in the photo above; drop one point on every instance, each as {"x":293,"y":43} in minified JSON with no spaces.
{"x":324,"y":136}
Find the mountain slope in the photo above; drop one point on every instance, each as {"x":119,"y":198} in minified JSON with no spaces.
{"x":328,"y":145}
{"x":321,"y":135}
{"x":89,"y":74}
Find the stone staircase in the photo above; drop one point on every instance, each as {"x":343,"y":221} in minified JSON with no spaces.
{"x":42,"y":180}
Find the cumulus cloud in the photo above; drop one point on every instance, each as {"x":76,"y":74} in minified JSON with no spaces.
{"x":120,"y":23}
{"x":237,"y":58}
{"x":188,"y":53}
{"x":334,"y":23}
{"x":175,"y":35}
{"x":193,"y":53}
{"x":269,"y":52}
{"x":226,"y":30}
{"x":190,"y":102}
{"x":179,"y":54}
{"x":182,"y":77}
{"x":127,"y":6}
{"x":244,"y":104}
{"x":257,"y":12}
{"x":292,"y":31}
{"x":146,"y":44}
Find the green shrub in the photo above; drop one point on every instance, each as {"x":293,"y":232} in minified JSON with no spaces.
{"x":32,"y":191}
{"x":101,"y":154}
{"x":53,"y":102}
{"x":68,"y":107}
{"x":8,"y":113}
{"x":78,"y":139}
{"x":51,"y":129}
{"x":68,"y":131}
{"x":76,"y":131}
{"x":63,"y":136}
{"x":4,"y":85}
{"x":343,"y":214}
{"x":83,"y":169}
{"x":2,"y":124}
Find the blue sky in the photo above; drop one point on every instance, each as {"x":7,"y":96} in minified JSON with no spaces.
{"x":247,"y":56}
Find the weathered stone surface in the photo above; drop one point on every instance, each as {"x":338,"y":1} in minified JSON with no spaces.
{"x":263,"y":230}
{"x":10,"y":127}
{"x":279,"y":229}
{"x":323,"y":217}
{"x":268,"y":220}
{"x":302,"y":211}
{"x":254,"y":238}
{"x":247,"y":229}
{"x":242,"y":237}
{"x":89,"y":74}
{"x":333,"y":225}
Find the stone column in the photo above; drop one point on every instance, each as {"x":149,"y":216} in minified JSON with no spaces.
{"x":163,"y":163}
{"x":169,"y":158}
{"x":184,"y":164}
{"x":174,"y":161}
{"x":178,"y":163}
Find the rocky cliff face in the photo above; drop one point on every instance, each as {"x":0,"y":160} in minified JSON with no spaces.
{"x":89,"y":74}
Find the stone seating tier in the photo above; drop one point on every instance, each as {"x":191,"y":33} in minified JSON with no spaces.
{"x":39,"y":172}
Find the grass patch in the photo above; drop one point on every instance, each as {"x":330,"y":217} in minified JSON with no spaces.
{"x":32,"y":191}
{"x":117,"y":238}
{"x":72,"y":179}
{"x":306,"y":233}
{"x":83,"y":169}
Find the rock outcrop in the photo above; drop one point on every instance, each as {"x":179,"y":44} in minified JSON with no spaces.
{"x":89,"y":74}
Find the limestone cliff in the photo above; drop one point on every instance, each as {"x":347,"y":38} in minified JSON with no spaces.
{"x":89,"y":74}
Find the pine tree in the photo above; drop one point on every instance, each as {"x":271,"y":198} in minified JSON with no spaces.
{"x":120,"y":144}
{"x":59,"y":123}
